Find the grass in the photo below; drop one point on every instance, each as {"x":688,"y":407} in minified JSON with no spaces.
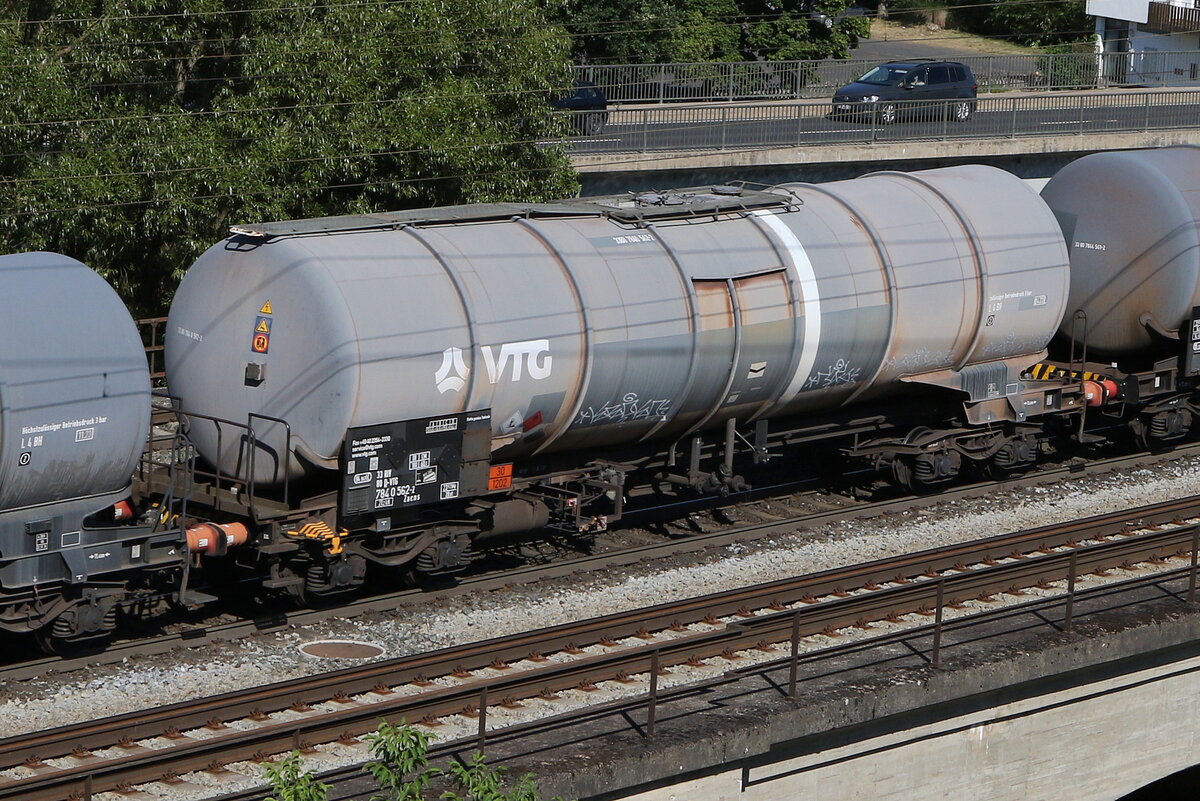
{"x":887,"y":30}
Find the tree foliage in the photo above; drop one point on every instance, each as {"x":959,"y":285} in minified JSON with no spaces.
{"x":1038,"y":24}
{"x":673,"y":31}
{"x":133,"y":132}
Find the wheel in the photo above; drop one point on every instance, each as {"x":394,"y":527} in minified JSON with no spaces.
{"x":57,"y":646}
{"x":960,"y":110}
{"x":917,"y":435}
{"x":902,"y":473}
{"x":886,"y":113}
{"x":1141,"y":434}
{"x":592,"y":124}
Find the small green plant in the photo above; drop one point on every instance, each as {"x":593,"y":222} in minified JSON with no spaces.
{"x":291,"y":782}
{"x":400,"y":766}
{"x":401,"y":762}
{"x":483,"y":783}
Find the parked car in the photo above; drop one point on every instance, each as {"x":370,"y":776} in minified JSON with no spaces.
{"x":890,"y":89}
{"x":588,"y":105}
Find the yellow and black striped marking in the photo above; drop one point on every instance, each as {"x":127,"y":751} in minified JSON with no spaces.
{"x":321,"y":531}
{"x":1044,"y":371}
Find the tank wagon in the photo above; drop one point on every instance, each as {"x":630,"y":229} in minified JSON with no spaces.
{"x":1130,"y":222}
{"x":389,"y":388}
{"x":74,"y":414}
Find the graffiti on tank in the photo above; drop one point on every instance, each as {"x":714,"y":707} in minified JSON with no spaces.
{"x":630,"y":407}
{"x":1012,"y":345}
{"x":836,"y":374}
{"x":922,"y":359}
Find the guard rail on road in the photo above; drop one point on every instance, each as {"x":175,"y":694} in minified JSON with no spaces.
{"x":801,"y":124}
{"x":791,"y":80}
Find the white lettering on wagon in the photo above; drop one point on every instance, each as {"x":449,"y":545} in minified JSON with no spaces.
{"x":515,"y":359}
{"x":525,"y":353}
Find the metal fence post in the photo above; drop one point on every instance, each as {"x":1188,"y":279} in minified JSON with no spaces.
{"x":1012,"y":133}
{"x":645,"y":129}
{"x":1081,"y":115}
{"x":1191,"y":596}
{"x":1146,"y":98}
{"x":730,"y":84}
{"x":724,"y":126}
{"x":794,"y":667}
{"x":650,"y":712}
{"x":937,"y":625}
{"x":482,"y":718}
{"x":1068,"y":622}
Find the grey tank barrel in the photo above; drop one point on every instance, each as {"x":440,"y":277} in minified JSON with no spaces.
{"x":593,"y":323}
{"x":1130,"y":223}
{"x":74,"y":387}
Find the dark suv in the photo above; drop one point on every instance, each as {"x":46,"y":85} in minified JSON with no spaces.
{"x":884,"y":90}
{"x":588,"y":105}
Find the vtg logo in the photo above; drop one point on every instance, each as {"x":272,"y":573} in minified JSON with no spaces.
{"x":516,"y":358}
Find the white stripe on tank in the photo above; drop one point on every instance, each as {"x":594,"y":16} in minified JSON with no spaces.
{"x":811,"y":301}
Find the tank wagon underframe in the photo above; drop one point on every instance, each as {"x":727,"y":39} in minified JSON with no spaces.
{"x":312,"y":546}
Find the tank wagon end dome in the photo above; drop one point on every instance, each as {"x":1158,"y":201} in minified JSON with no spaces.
{"x":1129,"y":219}
{"x":74,"y":383}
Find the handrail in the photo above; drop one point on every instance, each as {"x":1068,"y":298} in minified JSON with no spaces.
{"x":755,"y":126}
{"x":748,"y":80}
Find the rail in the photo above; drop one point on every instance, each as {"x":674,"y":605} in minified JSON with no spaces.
{"x":793,"y":80}
{"x":924,"y":584}
{"x":698,"y":127}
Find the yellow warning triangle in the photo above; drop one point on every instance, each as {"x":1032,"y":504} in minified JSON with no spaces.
{"x":266,"y":308}
{"x":263,"y":328}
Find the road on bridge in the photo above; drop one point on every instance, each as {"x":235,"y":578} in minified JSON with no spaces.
{"x":681,"y":128}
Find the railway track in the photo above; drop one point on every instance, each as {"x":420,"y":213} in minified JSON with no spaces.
{"x":531,"y":573}
{"x":620,"y":647}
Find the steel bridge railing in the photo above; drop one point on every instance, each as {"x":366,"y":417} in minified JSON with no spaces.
{"x":700,"y":127}
{"x":794,"y":80}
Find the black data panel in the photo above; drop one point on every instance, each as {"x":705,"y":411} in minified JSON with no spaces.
{"x":393,"y":467}
{"x":1191,"y":347}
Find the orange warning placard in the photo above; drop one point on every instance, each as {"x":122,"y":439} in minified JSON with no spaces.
{"x":500,"y":477}
{"x":261,"y":343}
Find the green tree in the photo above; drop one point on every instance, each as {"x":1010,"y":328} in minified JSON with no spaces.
{"x":653,"y":31}
{"x":1040,"y":24}
{"x":1037,"y":24}
{"x":667,"y":31}
{"x":291,"y":782}
{"x":133,"y":132}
